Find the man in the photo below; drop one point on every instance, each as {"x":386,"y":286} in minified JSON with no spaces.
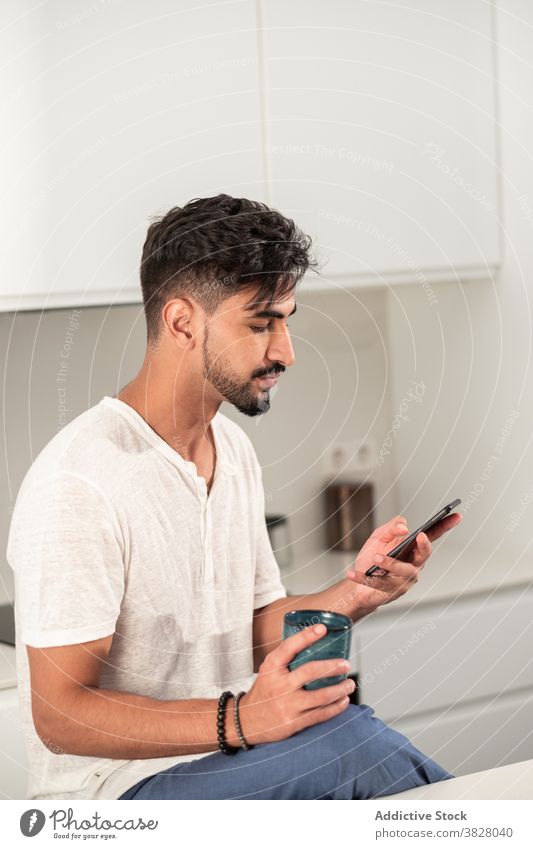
{"x":145,"y":584}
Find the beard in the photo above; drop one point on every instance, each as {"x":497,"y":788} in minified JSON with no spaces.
{"x":242,"y":394}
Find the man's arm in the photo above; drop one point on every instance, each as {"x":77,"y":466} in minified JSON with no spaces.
{"x":72,"y":715}
{"x":342,"y":597}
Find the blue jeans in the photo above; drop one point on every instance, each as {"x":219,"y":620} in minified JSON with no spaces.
{"x":352,"y":756}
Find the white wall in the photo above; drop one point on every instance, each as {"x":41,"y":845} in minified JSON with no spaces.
{"x":472,"y":348}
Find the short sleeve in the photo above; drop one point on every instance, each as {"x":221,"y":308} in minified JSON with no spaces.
{"x":65,"y":548}
{"x":268,"y":586}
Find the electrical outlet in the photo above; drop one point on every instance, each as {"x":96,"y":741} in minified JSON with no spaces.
{"x":356,"y":457}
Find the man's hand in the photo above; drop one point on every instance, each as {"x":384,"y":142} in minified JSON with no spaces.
{"x":367,"y":594}
{"x":403,"y":574}
{"x":277,"y":706}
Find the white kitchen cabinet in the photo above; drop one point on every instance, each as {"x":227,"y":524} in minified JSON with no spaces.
{"x":456,"y":677}
{"x":436,"y":656}
{"x":472,"y":737}
{"x":136,"y":108}
{"x":381,"y":134}
{"x":13,"y":758}
{"x":22,"y":102}
{"x":449,"y":663}
{"x":371,"y":124}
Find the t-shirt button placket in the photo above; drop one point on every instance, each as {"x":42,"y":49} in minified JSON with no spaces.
{"x":202,"y":490}
{"x":208,"y":560}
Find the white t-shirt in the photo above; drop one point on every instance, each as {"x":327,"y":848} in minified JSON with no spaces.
{"x":113,"y":533}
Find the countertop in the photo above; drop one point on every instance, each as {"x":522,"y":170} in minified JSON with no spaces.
{"x":450,"y":572}
{"x":514,"y":781}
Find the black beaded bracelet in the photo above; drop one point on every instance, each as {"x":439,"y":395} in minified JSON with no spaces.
{"x":221,"y":715}
{"x":244,"y":744}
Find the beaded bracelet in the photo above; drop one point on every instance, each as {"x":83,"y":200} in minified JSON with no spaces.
{"x":244,"y":744}
{"x":222,"y":744}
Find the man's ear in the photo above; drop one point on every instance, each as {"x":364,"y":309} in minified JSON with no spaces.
{"x":178,"y":315}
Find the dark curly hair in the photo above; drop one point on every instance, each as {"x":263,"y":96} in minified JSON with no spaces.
{"x":212,"y":248}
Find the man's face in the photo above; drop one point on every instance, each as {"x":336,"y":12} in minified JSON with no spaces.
{"x":242,"y":345}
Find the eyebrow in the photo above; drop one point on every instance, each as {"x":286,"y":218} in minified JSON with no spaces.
{"x":272,"y":313}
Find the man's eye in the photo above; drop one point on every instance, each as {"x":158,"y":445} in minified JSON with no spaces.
{"x":261,"y":329}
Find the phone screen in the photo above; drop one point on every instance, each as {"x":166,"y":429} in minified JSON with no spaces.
{"x":409,"y":541}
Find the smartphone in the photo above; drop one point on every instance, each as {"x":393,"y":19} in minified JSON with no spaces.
{"x":409,"y":541}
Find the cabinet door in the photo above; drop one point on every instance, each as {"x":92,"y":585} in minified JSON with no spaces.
{"x":23,"y":181}
{"x":145,"y":106}
{"x":434,"y":657}
{"x":14,"y":764}
{"x":382,"y":133}
{"x":475,"y":737}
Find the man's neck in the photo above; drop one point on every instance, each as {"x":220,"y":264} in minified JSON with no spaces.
{"x":172,"y":415}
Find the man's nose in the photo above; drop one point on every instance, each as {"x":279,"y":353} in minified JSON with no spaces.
{"x":280,"y":348}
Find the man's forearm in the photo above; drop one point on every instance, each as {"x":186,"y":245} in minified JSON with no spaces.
{"x":342,"y":597}
{"x":113,"y":724}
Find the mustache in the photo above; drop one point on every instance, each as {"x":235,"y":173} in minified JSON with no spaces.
{"x":271,"y":373}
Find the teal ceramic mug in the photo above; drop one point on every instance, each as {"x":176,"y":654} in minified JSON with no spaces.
{"x":335,"y":643}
